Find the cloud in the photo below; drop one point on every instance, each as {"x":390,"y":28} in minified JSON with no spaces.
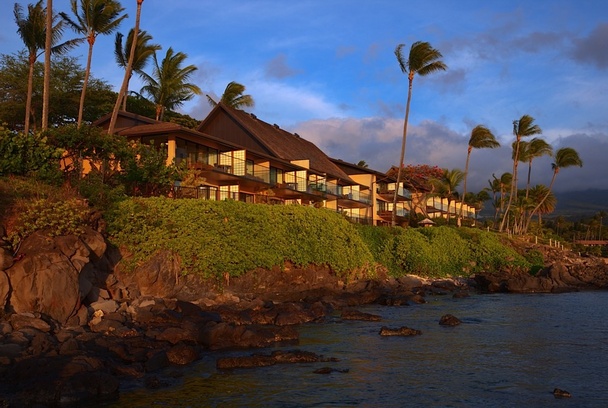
{"x":593,"y":49}
{"x":279,"y":69}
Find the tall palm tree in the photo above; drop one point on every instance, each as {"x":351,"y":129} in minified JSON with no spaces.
{"x":233,"y":97}
{"x":48,"y":44}
{"x":564,"y":157}
{"x":535,"y":148}
{"x":122,"y":93}
{"x":481,"y":138}
{"x":167,"y":86}
{"x":523,"y":127}
{"x":143,"y":51}
{"x":423,"y":59}
{"x":94,"y":17}
{"x":33,"y":32}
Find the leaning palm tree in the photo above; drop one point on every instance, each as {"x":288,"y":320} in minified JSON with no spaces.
{"x":168,"y":86}
{"x":94,"y":17}
{"x":547,"y":206}
{"x":564,"y":157}
{"x":143,"y":51}
{"x":233,"y":97}
{"x":423,"y":59}
{"x":32,"y":30}
{"x":523,"y":127}
{"x":535,"y":148}
{"x":481,"y":138}
{"x":122,"y":93}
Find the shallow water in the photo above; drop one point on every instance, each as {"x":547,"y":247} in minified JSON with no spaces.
{"x":510,"y":351}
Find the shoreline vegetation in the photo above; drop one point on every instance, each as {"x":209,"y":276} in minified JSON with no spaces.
{"x":93,"y":300}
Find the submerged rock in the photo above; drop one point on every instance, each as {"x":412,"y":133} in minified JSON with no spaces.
{"x":449,"y":320}
{"x":401,"y":331}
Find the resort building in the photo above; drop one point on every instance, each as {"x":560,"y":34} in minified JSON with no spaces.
{"x":237,"y":156}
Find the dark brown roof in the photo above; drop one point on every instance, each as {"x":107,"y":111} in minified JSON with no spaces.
{"x":283,"y":144}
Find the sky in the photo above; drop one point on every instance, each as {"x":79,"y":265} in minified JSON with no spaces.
{"x":326,"y":69}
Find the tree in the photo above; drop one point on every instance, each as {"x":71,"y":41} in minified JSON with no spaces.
{"x":233,"y":97}
{"x":143,"y":51}
{"x":94,"y":17}
{"x":65,"y":85}
{"x":535,"y":148}
{"x":32,"y":30}
{"x":362,"y":163}
{"x":423,"y":60}
{"x":125,"y":81}
{"x":167,"y":87}
{"x":564,"y":157}
{"x":481,"y":138}
{"x":523,"y":127}
{"x":447,"y":185}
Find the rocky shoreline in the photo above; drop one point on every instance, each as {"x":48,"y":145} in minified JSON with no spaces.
{"x":74,"y":325}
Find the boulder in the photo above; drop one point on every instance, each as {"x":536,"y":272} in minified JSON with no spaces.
{"x":45,"y":282}
{"x":6,"y":259}
{"x":182,"y":354}
{"x":158,"y":277}
{"x":4,"y":290}
{"x":449,"y":320}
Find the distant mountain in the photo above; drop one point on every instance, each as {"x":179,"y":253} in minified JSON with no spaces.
{"x":571,"y":204}
{"x":577,"y":204}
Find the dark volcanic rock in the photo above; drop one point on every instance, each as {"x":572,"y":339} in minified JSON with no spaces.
{"x":449,"y":320}
{"x":402,"y":331}
{"x":277,"y":357}
{"x":352,"y":314}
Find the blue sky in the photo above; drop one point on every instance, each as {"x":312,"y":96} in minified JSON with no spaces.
{"x":326,"y":70}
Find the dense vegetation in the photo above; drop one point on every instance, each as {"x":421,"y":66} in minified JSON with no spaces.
{"x":213,"y":238}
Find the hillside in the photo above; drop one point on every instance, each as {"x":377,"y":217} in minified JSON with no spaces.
{"x":577,"y":204}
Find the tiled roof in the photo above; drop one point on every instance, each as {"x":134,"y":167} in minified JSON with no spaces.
{"x":286,"y":145}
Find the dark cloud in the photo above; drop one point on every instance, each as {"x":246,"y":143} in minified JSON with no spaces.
{"x":378,"y":142}
{"x":593,"y":49}
{"x":279,"y":69}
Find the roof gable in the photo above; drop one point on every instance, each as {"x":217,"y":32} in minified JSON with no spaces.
{"x":271,"y":139}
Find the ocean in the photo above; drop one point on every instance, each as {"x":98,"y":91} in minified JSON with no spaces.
{"x":511,"y":350}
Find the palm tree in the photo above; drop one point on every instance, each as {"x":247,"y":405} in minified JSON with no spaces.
{"x":564,"y":157}
{"x":122,"y":93}
{"x":423,"y":59}
{"x":481,"y":138}
{"x":143,"y":51}
{"x":535,"y":148}
{"x":362,"y":163}
{"x":546,"y":206}
{"x":447,"y":185}
{"x":33,"y":32}
{"x":233,"y":97}
{"x":167,"y":86}
{"x":523,"y":127}
{"x":94,"y":17}
{"x":48,"y":44}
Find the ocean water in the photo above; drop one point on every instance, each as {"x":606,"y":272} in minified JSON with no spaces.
{"x":512,"y":350}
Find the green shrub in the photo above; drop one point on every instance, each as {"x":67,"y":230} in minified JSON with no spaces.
{"x":213,"y":238}
{"x":54,"y":217}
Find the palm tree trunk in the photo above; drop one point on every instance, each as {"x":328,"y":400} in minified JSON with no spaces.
{"x":86,"y":80}
{"x":402,"y":157}
{"x":30,"y":90}
{"x":541,"y":202}
{"x":513,"y":193}
{"x":529,"y":174}
{"x":125,"y":82}
{"x":464,"y":186}
{"x":47,"y":65}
